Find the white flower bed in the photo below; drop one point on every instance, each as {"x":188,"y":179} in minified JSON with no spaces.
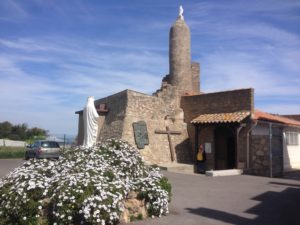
{"x":86,"y":185}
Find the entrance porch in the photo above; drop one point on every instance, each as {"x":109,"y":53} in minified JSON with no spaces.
{"x":220,"y":134}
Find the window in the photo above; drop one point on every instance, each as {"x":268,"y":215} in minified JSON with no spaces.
{"x":292,"y":138}
{"x":50,"y":144}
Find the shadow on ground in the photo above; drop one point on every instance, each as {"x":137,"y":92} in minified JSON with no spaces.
{"x":292,"y":175}
{"x":276,"y":208}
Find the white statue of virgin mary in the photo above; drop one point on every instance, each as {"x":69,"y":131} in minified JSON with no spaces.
{"x":90,"y":123}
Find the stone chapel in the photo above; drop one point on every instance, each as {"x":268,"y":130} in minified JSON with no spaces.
{"x":169,"y":125}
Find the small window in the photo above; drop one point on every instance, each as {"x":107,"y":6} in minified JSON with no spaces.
{"x":292,"y":138}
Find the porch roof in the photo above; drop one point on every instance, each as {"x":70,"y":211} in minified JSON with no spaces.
{"x":221,"y":117}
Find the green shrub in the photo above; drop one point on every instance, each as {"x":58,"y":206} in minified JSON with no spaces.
{"x":86,"y":185}
{"x":166,"y":185}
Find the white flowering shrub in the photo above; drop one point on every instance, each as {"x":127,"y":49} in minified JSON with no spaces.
{"x":85,"y":186}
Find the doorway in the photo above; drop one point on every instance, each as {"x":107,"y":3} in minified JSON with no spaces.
{"x":225,"y":148}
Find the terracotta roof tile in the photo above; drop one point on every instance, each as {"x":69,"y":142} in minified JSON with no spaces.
{"x":221,"y":117}
{"x":259,"y":115}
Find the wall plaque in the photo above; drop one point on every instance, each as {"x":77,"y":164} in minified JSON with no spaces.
{"x":140,"y":134}
{"x":207,"y":147}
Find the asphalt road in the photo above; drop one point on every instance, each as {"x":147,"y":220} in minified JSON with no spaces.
{"x":239,"y":200}
{"x":7,"y":165}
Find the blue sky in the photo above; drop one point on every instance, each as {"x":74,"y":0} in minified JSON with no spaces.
{"x":54,"y":53}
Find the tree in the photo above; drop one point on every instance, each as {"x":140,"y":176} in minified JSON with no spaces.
{"x":35,"y":132}
{"x":19,"y":132}
{"x":5,"y":129}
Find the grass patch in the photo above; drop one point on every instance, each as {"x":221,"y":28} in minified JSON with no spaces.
{"x":12,"y":152}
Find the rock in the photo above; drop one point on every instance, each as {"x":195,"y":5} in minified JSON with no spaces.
{"x":260,"y":153}
{"x":132,"y":195}
{"x":265,"y":162}
{"x":133,"y":208}
{"x":257,"y":166}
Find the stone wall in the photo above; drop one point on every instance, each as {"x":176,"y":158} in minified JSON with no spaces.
{"x":196,"y":77}
{"x":80,"y":134}
{"x":157,"y":114}
{"x":242,"y":145}
{"x":206,"y":134}
{"x":111,"y":123}
{"x":260,"y":151}
{"x":219,"y":102}
{"x":227,"y":101}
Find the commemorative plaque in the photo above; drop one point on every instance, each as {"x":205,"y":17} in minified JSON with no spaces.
{"x":140,"y":134}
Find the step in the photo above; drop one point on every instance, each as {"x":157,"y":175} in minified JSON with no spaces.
{"x":216,"y":173}
{"x":177,"y":167}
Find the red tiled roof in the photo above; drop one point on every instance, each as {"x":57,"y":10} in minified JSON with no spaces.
{"x":259,"y":115}
{"x":221,"y":117}
{"x":293,"y":117}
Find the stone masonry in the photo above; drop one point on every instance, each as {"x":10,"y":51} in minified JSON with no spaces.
{"x":166,"y":117}
{"x":159,"y":111}
{"x":260,"y":155}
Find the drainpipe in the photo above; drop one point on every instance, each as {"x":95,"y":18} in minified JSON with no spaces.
{"x":238,"y":129}
{"x":270,"y":145}
{"x":196,"y":147}
{"x":248,"y":143}
{"x":284,"y":148}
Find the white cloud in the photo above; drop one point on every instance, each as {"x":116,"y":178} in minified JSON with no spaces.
{"x":44,"y":80}
{"x":280,"y":108}
{"x":11,"y":11}
{"x":233,"y":70}
{"x":67,"y":77}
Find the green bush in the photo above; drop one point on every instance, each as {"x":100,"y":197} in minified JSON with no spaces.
{"x":11,"y":152}
{"x":85,"y":186}
{"x":165,"y":185}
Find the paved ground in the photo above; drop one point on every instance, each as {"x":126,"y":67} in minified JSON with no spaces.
{"x":7,"y":165}
{"x":240,"y":200}
{"x":245,"y":200}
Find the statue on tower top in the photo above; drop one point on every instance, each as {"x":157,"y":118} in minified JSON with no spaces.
{"x":181,"y":12}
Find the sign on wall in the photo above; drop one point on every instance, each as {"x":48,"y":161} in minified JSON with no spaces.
{"x":207,"y":147}
{"x":140,"y":134}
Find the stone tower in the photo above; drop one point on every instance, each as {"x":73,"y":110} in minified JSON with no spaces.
{"x":180,"y":56}
{"x":155,"y":124}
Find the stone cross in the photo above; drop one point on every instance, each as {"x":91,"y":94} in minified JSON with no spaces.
{"x":169,"y":132}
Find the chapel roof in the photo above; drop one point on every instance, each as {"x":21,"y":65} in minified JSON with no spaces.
{"x":239,"y":116}
{"x":260,"y":115}
{"x":293,"y":116}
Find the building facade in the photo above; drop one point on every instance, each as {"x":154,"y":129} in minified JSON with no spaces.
{"x":170,"y":125}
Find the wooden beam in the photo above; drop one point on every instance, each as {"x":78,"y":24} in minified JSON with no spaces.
{"x":169,"y":133}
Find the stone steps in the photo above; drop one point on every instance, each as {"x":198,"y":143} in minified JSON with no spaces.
{"x":216,"y":173}
{"x":177,"y":167}
{"x":189,"y":169}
